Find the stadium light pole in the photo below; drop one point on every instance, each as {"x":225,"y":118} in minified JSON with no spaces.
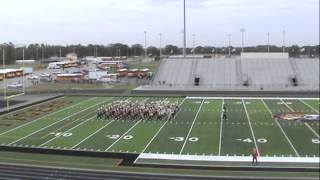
{"x":229,"y":40}
{"x":160,"y":48}
{"x":145,"y":44}
{"x":23,"y":77}
{"x":4,"y":77}
{"x":22,"y":53}
{"x":194,"y":44}
{"x":268,"y":42}
{"x":184,"y":30}
{"x":42,"y":52}
{"x":242,"y":30}
{"x":95,"y":52}
{"x":283,"y":41}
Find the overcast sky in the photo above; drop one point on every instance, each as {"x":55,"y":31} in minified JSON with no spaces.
{"x":110,"y":21}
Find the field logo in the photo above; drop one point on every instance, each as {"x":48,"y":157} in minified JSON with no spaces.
{"x":294,"y":116}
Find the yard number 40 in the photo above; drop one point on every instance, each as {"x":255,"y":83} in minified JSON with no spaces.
{"x":248,"y":140}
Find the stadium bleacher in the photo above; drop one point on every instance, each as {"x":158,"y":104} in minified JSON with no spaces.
{"x":269,"y":74}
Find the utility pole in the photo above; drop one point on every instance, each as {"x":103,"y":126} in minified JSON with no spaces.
{"x":4,"y":77}
{"x":268,"y":42}
{"x":184,"y":30}
{"x":193,"y":44}
{"x":23,"y":54}
{"x":145,"y":44}
{"x":242,"y":30}
{"x":42,"y":52}
{"x":160,"y":35}
{"x":37,"y":53}
{"x":229,"y":39}
{"x":283,"y":41}
{"x":23,"y":78}
{"x":95,"y":52}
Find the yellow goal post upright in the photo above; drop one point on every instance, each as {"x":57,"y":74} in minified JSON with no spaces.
{"x":5,"y":93}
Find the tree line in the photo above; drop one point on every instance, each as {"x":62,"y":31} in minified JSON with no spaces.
{"x":44,"y":51}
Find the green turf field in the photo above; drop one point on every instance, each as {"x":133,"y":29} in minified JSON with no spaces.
{"x":197,"y":130}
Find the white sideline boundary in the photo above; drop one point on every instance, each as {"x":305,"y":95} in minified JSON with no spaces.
{"x":227,"y":158}
{"x":252,"y":98}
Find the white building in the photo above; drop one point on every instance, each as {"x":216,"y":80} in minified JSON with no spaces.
{"x":72,"y":56}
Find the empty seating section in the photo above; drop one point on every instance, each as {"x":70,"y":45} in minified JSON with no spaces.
{"x":267,"y":72}
{"x":232,"y":73}
{"x":308,"y":71}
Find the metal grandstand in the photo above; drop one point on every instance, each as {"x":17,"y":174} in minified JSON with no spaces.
{"x":263,"y":74}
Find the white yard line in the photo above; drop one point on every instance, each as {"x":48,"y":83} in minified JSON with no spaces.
{"x":221,"y":121}
{"x":306,"y":124}
{"x":314,"y":132}
{"x":123,"y":135}
{"x":76,"y":125}
{"x":95,"y":131}
{"x":194,"y":120}
{"x":145,"y":100}
{"x":46,"y":116}
{"x":154,"y":137}
{"x":92,"y":134}
{"x":254,"y":138}
{"x":51,"y":124}
{"x":67,"y":131}
{"x":287,"y":105}
{"x":315,"y":110}
{"x":285,"y":135}
{"x":160,"y":129}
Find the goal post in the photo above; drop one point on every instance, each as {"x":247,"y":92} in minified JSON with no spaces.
{"x":7,"y":97}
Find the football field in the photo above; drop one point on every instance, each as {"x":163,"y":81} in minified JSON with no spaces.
{"x":197,"y":132}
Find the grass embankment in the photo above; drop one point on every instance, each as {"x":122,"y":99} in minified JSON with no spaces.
{"x":152,"y":65}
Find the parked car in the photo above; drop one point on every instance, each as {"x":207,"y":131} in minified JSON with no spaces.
{"x":45,"y":79}
{"x":32,"y":77}
{"x":56,"y":72}
{"x":14,"y":85}
{"x":44,"y":75}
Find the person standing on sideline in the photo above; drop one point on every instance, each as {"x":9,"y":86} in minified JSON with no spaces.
{"x":254,"y":155}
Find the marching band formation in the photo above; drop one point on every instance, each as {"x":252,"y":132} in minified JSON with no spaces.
{"x":155,"y":110}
